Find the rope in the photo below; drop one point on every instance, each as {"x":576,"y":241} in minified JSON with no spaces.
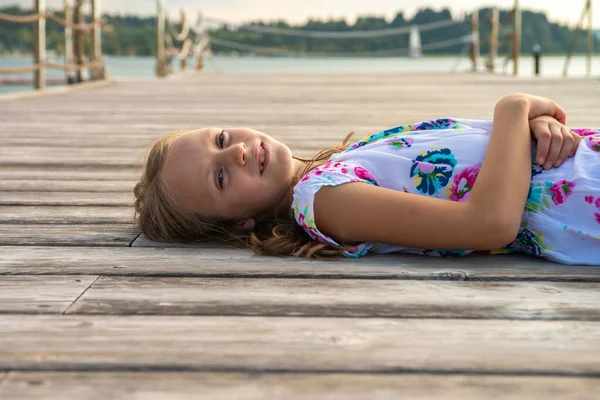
{"x":185,"y":29}
{"x":185,"y":49}
{"x":63,"y":67}
{"x":201,"y":45}
{"x":20,"y":70}
{"x":343,"y":35}
{"x":49,"y":14}
{"x":74,"y":67}
{"x":22,"y":19}
{"x":390,"y":52}
{"x":78,"y":27}
{"x":200,"y":27}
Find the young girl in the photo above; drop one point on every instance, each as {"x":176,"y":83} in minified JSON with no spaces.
{"x":520,"y":183}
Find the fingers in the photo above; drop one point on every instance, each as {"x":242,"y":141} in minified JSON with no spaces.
{"x":556,"y":143}
{"x":567,"y":146}
{"x":544,"y":138}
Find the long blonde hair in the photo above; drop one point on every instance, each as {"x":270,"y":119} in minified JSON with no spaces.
{"x":161,"y":219}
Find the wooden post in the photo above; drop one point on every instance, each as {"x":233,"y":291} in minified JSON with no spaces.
{"x":79,"y":39}
{"x":97,"y":72}
{"x":517,"y":38}
{"x":495,"y":22}
{"x":590,"y":40}
{"x":69,"y":40}
{"x":161,"y":58}
{"x":40,"y":45}
{"x":475,"y":39}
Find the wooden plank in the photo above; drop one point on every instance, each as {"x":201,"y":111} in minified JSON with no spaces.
{"x":36,"y":342}
{"x":65,"y":215}
{"x":340,"y":298}
{"x":55,"y":185}
{"x":104,"y":173}
{"x":30,"y":155}
{"x":47,"y":294}
{"x":68,"y":235}
{"x":67,"y":198}
{"x":223,"y":262}
{"x":291,"y":386}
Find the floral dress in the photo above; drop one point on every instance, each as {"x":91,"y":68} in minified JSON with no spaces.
{"x":441,"y":158}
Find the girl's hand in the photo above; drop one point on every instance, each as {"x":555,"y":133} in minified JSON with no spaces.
{"x":555,"y":141}
{"x":543,"y":106}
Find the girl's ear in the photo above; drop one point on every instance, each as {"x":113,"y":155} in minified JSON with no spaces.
{"x":246,"y":225}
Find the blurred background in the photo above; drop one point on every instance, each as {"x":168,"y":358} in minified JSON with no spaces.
{"x":146,"y":39}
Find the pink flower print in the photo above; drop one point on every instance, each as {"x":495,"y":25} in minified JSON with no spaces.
{"x":365,"y":175}
{"x":597,"y":203}
{"x":584,"y":132}
{"x":597,"y":215}
{"x":561,"y":190}
{"x":593,"y":142}
{"x":463,"y":183}
{"x":589,"y":199}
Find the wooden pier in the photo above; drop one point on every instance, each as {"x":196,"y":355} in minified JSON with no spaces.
{"x":90,"y":310}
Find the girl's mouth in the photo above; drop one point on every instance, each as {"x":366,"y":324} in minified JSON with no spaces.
{"x":263,"y":158}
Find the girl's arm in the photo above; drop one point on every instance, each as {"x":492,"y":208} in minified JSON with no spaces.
{"x":359,"y":212}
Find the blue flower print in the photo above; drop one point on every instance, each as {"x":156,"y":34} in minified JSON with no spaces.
{"x":432,"y":170}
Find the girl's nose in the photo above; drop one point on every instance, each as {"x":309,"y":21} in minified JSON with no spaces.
{"x":238,"y":154}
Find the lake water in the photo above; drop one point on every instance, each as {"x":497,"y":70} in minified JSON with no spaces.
{"x":143,"y":67}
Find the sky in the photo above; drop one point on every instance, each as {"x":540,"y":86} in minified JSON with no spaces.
{"x":295,"y":11}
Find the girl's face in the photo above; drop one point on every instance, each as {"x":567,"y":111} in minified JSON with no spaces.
{"x":234,"y":174}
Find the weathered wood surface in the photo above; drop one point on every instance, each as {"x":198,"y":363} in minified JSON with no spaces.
{"x":338,"y":298}
{"x":36,"y":342}
{"x":47,"y":198}
{"x":68,"y":174}
{"x":48,"y":294}
{"x":50,"y":214}
{"x":472,"y":327}
{"x":67,"y":235}
{"x":218,"y":262}
{"x":302,"y":386}
{"x":91,"y":186}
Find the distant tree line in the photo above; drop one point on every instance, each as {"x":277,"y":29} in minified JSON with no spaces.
{"x":131,"y":35}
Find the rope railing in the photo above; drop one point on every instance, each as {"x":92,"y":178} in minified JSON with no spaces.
{"x":386,"y":52}
{"x":21,"y":19}
{"x":24,"y":19}
{"x":191,"y":39}
{"x":94,"y":65}
{"x":168,"y":49}
{"x":340,"y":35}
{"x":62,"y":67}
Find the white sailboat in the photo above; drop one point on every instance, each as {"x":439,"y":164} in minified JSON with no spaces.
{"x":415,"y":42}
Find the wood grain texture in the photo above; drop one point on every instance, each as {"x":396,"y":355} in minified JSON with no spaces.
{"x":47,"y":294}
{"x":66,"y":180}
{"x":340,"y":297}
{"x":41,"y":214}
{"x":67,"y":235}
{"x":103,"y":173}
{"x":55,"y":185}
{"x":46,"y":198}
{"x":290,"y":386}
{"x":219,"y":262}
{"x":220,"y":343}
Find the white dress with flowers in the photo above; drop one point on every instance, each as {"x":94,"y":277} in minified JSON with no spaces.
{"x":441,"y":158}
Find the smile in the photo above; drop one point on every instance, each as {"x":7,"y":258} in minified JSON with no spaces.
{"x":263,"y":157}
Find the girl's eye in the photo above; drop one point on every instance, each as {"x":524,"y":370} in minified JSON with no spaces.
{"x":221,"y":139}
{"x":220,"y":178}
